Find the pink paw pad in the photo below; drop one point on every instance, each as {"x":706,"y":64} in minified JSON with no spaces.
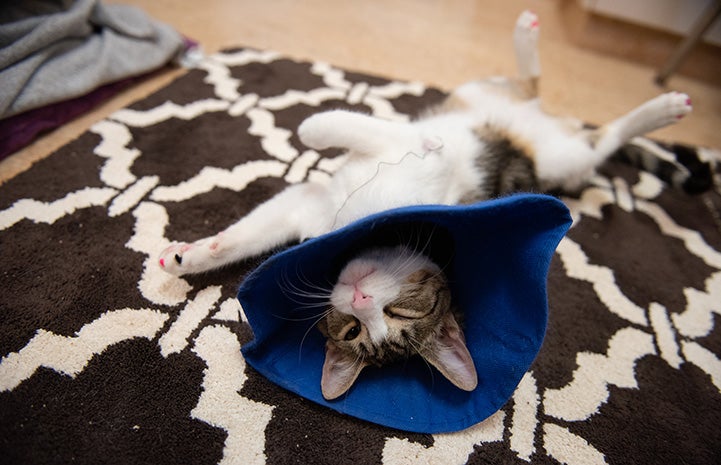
{"x":683,"y":102}
{"x":534,"y":22}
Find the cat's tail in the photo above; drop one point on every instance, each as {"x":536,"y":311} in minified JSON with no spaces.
{"x":692,"y":169}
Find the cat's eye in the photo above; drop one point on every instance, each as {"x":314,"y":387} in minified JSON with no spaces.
{"x":352,"y":332}
{"x":399,"y":313}
{"x":410,"y":312}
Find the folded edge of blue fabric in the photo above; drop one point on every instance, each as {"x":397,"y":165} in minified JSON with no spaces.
{"x":496,"y":255}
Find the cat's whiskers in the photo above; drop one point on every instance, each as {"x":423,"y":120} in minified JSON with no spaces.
{"x":302,"y":279}
{"x":400,"y":268}
{"x":307,"y":299}
{"x":424,"y":249}
{"x":438,"y":274}
{"x":416,"y":346}
{"x":310,"y":284}
{"x":403,"y":266}
{"x":296,"y":294}
{"x":410,"y":253}
{"x":435,"y":274}
{"x":442,"y":267}
{"x":360,"y":359}
{"x":317,"y":317}
{"x":307,"y":331}
{"x":403,"y":271}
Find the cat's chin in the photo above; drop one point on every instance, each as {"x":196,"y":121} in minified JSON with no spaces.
{"x":377,"y":328}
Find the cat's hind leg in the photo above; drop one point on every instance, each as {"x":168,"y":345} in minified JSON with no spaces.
{"x":523,"y":87}
{"x":654,"y":114}
{"x":298,"y":212}
{"x":525,"y":42}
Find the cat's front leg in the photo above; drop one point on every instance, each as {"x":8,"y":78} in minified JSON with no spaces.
{"x":232,"y":245}
{"x":300,"y":211}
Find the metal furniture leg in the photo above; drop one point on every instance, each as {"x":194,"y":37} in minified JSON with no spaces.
{"x":697,"y":31}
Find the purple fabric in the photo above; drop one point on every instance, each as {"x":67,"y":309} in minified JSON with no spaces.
{"x":18,"y":131}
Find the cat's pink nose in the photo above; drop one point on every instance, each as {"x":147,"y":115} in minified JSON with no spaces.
{"x":360,"y":300}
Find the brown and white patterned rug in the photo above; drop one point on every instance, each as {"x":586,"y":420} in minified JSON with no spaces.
{"x":107,"y":359}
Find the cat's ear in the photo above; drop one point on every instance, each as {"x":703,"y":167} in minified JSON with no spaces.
{"x":449,"y":354}
{"x":340,"y":371}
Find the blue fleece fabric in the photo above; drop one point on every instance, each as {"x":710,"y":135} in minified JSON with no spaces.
{"x":496,"y":256}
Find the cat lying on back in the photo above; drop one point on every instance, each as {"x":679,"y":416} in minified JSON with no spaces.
{"x":489,"y":138}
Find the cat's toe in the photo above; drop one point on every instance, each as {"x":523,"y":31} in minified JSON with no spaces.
{"x":171,"y":259}
{"x":528,"y":21}
{"x":679,"y":104}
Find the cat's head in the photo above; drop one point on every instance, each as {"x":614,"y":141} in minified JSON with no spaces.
{"x":387,"y":305}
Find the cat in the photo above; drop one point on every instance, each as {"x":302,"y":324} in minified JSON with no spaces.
{"x":487,"y":139}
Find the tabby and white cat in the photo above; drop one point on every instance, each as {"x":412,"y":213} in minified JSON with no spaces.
{"x":489,"y":138}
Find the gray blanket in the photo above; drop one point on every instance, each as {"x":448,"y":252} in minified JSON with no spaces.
{"x":56,"y":50}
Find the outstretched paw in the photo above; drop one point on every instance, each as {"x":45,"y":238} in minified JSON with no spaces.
{"x":527,"y":21}
{"x":680,"y":104}
{"x":670,"y":107}
{"x":172,"y":258}
{"x":181,"y":258}
{"x":314,"y":129}
{"x":656,"y":113}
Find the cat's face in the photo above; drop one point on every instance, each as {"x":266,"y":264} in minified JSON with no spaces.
{"x":389,"y":304}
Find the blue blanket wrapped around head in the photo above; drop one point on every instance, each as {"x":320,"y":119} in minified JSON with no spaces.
{"x":496,"y":256}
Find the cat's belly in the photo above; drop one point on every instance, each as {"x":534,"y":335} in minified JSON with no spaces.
{"x":440,"y":170}
{"x":358,"y":193}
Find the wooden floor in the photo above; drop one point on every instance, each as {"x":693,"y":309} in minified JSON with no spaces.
{"x":443,"y":43}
